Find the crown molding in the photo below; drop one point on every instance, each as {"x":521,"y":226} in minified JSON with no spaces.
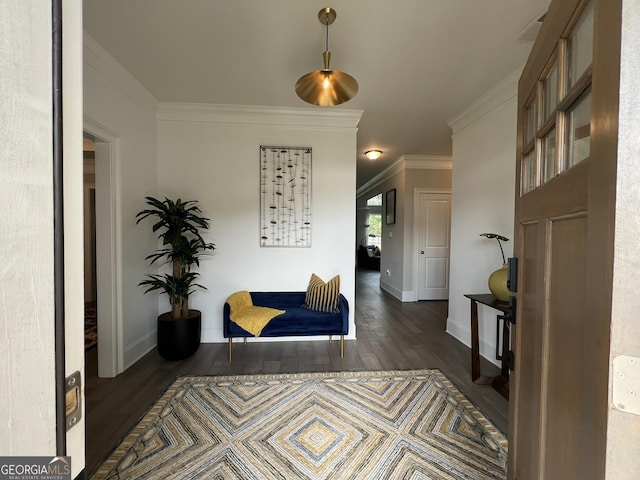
{"x":426,"y":162}
{"x":407,"y":162}
{"x":252,"y":114}
{"x":96,"y":57}
{"x":489,"y":101}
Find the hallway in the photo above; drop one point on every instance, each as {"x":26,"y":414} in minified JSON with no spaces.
{"x":391,"y":336}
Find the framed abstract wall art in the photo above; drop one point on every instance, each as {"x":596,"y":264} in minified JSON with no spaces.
{"x":390,"y":206}
{"x":285,"y":196}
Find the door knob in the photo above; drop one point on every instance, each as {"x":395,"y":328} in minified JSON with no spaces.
{"x":421,"y":252}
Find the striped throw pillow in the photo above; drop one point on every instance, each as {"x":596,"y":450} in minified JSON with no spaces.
{"x":323,"y":296}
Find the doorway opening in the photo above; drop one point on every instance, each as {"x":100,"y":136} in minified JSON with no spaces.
{"x":369,"y":250}
{"x":103,"y":284}
{"x":89,"y":212}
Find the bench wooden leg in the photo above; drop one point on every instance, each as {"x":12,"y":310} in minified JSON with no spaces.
{"x":230,"y":348}
{"x":341,"y":346}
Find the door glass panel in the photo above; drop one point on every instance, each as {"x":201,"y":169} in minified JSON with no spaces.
{"x":529,"y":121}
{"x":549,"y":155}
{"x":528,"y":172}
{"x":580,"y":45}
{"x":550,"y":92}
{"x":579,"y":129}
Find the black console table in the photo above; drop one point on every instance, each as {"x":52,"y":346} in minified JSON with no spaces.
{"x":499,"y":382}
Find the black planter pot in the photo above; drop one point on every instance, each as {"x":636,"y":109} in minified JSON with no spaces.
{"x":179,"y":339}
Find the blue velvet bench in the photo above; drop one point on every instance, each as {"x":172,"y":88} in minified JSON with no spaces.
{"x":296,"y":321}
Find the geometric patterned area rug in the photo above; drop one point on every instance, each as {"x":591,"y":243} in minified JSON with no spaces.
{"x":410,"y":424}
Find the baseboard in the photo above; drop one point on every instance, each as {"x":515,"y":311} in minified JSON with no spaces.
{"x":138,"y":349}
{"x":463,"y":335}
{"x":409,"y":296}
{"x":403,"y":296}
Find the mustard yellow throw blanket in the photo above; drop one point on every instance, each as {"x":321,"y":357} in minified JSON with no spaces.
{"x":250,"y":317}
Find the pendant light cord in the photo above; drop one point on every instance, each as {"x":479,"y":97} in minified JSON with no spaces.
{"x":326,"y":41}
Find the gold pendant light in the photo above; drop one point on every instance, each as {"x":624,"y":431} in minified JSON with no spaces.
{"x":326,"y":87}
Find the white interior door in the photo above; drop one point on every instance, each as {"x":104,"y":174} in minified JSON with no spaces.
{"x":434,"y":227}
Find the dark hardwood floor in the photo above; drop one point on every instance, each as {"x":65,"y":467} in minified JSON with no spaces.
{"x":391,"y":335}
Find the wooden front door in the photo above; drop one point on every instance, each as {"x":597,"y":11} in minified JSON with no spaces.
{"x":564,"y":223}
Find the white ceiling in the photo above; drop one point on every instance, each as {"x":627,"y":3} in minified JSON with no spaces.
{"x":418,"y":62}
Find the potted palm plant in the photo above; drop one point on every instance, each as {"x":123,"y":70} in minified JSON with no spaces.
{"x":179,"y":225}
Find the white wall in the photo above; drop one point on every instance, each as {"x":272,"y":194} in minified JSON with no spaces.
{"x":211,"y":154}
{"x":116,"y":106}
{"x":27,"y":369}
{"x":484,"y":151}
{"x":393,"y":238}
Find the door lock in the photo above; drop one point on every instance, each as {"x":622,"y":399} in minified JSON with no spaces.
{"x":73,"y":392}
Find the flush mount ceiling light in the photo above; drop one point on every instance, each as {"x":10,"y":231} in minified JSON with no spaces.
{"x":326,"y":87}
{"x":373,"y":154}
